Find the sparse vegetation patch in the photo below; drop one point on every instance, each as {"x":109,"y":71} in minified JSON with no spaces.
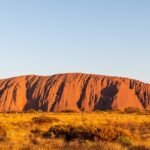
{"x":70,"y":132}
{"x":43,"y":119}
{"x":3,"y":133}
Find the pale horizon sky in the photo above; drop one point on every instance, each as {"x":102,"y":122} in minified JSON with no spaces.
{"x":45,"y":37}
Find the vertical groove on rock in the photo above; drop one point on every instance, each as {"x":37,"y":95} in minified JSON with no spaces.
{"x":31,"y":102}
{"x":83,"y":93}
{"x":58,"y":95}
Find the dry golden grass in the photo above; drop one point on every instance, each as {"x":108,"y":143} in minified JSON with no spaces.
{"x":24,"y":131}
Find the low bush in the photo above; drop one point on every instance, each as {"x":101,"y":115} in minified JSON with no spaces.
{"x":40,"y":111}
{"x":86,"y":133}
{"x":44,"y":119}
{"x":12,"y":112}
{"x":37,"y":132}
{"x":69,"y":132}
{"x":31,"y":111}
{"x":97,"y":110}
{"x":47,"y":135}
{"x":111,"y":133}
{"x":132,"y":110}
{"x":125,"y":141}
{"x":69,"y":111}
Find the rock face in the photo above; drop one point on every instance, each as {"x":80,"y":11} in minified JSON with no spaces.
{"x":75,"y":91}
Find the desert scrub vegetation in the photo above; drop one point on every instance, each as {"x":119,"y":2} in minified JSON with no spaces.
{"x":71,"y":132}
{"x":3,"y":133}
{"x":43,"y":119}
{"x":132,"y":110}
{"x":62,"y":131}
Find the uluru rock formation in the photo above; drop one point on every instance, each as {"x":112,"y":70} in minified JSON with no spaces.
{"x":74,"y":91}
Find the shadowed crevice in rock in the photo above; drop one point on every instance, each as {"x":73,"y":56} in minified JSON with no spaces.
{"x":6,"y":86}
{"x":48,"y":86}
{"x":14,"y":93}
{"x":58,"y":95}
{"x":108,"y":94}
{"x":83,"y":93}
{"x":32,"y":103}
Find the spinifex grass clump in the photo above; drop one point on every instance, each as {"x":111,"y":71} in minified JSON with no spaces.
{"x":91,"y":133}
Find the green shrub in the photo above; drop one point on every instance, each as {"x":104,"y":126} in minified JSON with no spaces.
{"x":124,"y":141}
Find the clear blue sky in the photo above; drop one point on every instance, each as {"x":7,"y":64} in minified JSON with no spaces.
{"x":45,"y":37}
